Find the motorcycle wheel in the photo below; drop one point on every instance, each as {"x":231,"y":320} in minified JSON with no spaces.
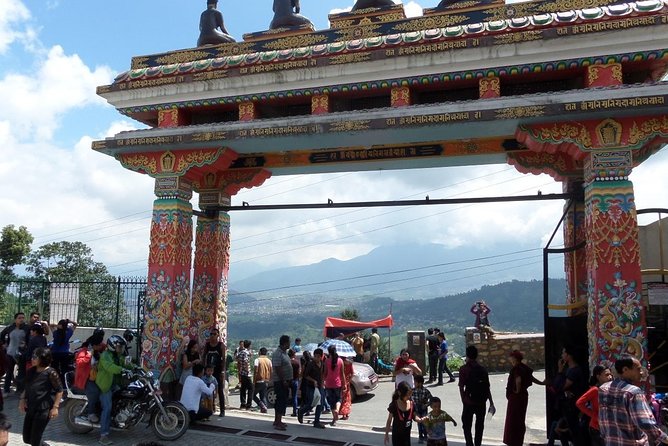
{"x":174,"y":424}
{"x":73,"y":408}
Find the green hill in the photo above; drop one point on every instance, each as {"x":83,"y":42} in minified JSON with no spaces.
{"x":516,"y":306}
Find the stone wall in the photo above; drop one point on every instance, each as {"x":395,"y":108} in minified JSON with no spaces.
{"x":493,"y":350}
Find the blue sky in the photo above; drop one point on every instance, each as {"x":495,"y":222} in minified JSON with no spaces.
{"x":53,"y":54}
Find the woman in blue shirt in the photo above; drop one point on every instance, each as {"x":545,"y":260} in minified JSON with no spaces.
{"x":61,"y":347}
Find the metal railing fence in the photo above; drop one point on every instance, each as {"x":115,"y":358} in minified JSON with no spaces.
{"x":114,"y":303}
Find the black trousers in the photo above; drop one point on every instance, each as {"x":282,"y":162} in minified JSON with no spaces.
{"x":20,"y":364}
{"x":246,"y":391}
{"x":468,"y":412}
{"x":34,"y":425}
{"x":433,"y":366}
{"x":201,"y":414}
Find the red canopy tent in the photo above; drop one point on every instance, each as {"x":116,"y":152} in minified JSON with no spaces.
{"x":335,"y":327}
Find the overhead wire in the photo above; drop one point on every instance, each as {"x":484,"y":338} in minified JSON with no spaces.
{"x":236,"y":249}
{"x":379,"y":294}
{"x":348,"y":236}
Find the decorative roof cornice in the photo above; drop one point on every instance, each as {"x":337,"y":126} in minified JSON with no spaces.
{"x":495,"y":32}
{"x":414,"y":80}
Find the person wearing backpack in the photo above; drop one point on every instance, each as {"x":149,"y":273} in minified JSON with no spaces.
{"x":474,"y":392}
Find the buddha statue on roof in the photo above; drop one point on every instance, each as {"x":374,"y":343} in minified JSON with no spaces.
{"x":286,"y":15}
{"x":211,"y":26}
{"x":364,"y":4}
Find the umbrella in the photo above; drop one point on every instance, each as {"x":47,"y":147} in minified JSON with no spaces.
{"x":344,"y":349}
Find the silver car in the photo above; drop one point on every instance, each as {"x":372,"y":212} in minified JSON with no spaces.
{"x":364,"y":381}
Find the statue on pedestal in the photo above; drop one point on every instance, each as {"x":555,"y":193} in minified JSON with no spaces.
{"x":363,"y":4}
{"x":286,"y":15}
{"x":210,"y":22}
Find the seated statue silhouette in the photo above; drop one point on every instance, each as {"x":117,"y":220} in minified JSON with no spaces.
{"x":209,"y":22}
{"x":363,"y":4}
{"x":286,"y":15}
{"x":445,"y":3}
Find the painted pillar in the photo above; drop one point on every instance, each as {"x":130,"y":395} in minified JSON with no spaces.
{"x":575,"y":264}
{"x":211,"y":268}
{"x":616,"y":316}
{"x":167,"y":307}
{"x":212,"y":249}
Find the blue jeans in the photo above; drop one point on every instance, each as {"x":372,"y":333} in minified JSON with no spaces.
{"x":295,"y":388}
{"x":105,"y":418}
{"x":421,"y":411}
{"x":93,"y":396}
{"x":323,"y":397}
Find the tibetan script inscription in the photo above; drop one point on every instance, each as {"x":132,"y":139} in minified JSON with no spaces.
{"x":337,"y":156}
{"x":614,"y":103}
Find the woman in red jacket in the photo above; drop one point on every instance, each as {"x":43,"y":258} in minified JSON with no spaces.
{"x":588,"y":402}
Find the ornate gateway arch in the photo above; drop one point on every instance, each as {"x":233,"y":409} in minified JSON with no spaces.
{"x":571,"y":88}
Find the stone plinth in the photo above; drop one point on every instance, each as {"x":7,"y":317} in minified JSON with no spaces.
{"x":366,"y":16}
{"x":278,"y":33}
{"x":493,"y":351}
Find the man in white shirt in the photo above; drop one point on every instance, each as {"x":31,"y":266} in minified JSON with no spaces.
{"x":193,"y":389}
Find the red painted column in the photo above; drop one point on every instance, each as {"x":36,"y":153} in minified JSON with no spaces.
{"x":575,"y":264}
{"x":212,"y":249}
{"x":616,"y":316}
{"x":211,"y":268}
{"x":167,"y":309}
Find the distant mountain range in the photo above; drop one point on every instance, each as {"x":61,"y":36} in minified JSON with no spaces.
{"x":296,"y":300}
{"x":401,"y":272}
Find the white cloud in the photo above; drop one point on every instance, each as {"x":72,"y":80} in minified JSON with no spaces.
{"x":413,"y":9}
{"x":13,"y":14}
{"x":35,"y":103}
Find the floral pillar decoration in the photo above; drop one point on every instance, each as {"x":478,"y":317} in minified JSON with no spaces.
{"x":575,"y":264}
{"x":212,"y":249}
{"x":211,"y":269}
{"x":616,"y":316}
{"x":603,"y":152}
{"x":167,"y":306}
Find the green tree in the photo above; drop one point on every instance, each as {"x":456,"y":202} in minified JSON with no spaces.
{"x":14,"y":247}
{"x":350,"y":314}
{"x":66,"y":262}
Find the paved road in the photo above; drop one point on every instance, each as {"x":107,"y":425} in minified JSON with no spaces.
{"x":363,"y":429}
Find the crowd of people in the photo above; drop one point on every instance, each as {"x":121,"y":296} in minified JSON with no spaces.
{"x":607,"y":411}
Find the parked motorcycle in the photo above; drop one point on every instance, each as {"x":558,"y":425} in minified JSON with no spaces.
{"x":138,"y":401}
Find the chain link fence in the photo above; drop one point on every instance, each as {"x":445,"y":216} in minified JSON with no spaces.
{"x":116,"y":303}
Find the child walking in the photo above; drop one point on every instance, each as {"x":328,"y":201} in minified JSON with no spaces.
{"x":401,"y":415}
{"x":422,"y":398}
{"x":435,"y":423}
